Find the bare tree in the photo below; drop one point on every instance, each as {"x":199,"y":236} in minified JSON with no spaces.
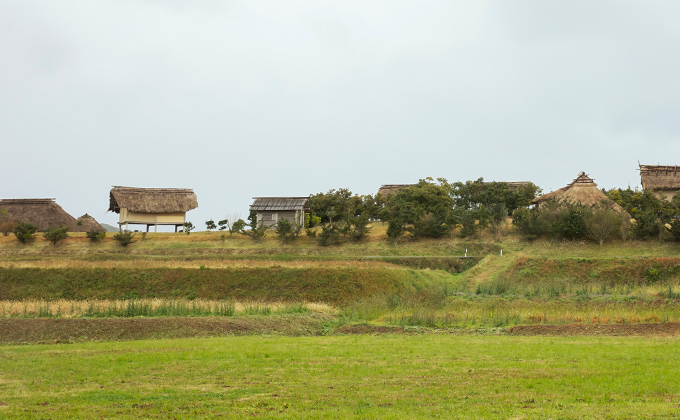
{"x":228,"y":223}
{"x":601,"y":223}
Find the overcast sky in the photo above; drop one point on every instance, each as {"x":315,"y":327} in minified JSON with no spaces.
{"x":237,"y":99}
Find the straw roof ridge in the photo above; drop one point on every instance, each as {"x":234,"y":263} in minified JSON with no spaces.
{"x":660,"y":177}
{"x":581,"y":190}
{"x":43,"y":212}
{"x":152,"y":200}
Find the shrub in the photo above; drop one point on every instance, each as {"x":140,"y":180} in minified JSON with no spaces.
{"x":188,"y":227}
{"x":124,"y":238}
{"x":256,"y":232}
{"x":238,"y":226}
{"x":357,"y":229}
{"x":601,"y":223}
{"x":95,"y":235}
{"x":7,"y":227}
{"x":55,"y":235}
{"x":330,"y":234}
{"x":287,"y":231}
{"x":529,"y":224}
{"x":25,"y":231}
{"x":311,"y":233}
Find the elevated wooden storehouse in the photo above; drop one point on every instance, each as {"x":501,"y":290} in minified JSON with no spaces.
{"x":581,"y":190}
{"x":42,"y":212}
{"x":663,"y":180}
{"x":272,"y":209}
{"x":389,"y":189}
{"x":87,"y":223}
{"x":152,"y":206}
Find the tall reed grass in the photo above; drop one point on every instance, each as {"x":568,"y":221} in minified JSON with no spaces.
{"x":149,"y":308}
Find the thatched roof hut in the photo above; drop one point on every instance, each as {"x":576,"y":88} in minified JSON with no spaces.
{"x":152,"y":200}
{"x":43,"y":212}
{"x":389,"y":189}
{"x":87,"y":223}
{"x":581,"y":190}
{"x":152,"y":206}
{"x":663,"y":180}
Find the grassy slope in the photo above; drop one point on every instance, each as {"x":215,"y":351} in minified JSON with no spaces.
{"x":328,"y":285}
{"x":345,"y":377}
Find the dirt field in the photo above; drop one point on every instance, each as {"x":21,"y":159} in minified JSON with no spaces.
{"x":660,"y":329}
{"x":53,"y":330}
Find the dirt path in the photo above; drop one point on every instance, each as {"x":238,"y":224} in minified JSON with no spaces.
{"x":488,"y":268}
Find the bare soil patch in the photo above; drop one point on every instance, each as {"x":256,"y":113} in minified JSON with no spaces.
{"x":656,"y":329}
{"x":56,"y":330}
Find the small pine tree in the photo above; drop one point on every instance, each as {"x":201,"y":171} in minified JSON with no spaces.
{"x":188,"y":227}
{"x":124,"y":238}
{"x":25,"y":231}
{"x":95,"y":235}
{"x":55,"y":235}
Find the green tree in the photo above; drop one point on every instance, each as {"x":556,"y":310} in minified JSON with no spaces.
{"x":424,"y":210}
{"x":188,"y":227}
{"x":498,"y":214}
{"x":601,"y":222}
{"x":25,"y":231}
{"x":95,"y":235}
{"x":210,"y":225}
{"x":55,"y":235}
{"x":125,"y":237}
{"x":287,"y":231}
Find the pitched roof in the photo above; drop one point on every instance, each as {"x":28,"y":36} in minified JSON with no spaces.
{"x":581,"y":190}
{"x":388,"y":189}
{"x":655,"y":177}
{"x":152,"y":200}
{"x":43,"y":212}
{"x":88,"y":223}
{"x":513,"y":185}
{"x":279,"y":203}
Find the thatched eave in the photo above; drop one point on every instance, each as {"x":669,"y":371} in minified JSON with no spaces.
{"x":152,"y":200}
{"x":657,"y":177}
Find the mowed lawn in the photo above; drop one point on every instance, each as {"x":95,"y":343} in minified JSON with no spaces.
{"x":386,"y":376}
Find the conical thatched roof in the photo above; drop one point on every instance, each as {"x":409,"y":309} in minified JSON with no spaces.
{"x":43,"y":212}
{"x":655,"y":177}
{"x":582,"y":190}
{"x":152,"y":200}
{"x":88,"y":223}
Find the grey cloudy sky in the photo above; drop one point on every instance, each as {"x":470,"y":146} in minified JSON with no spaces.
{"x":254,"y":98}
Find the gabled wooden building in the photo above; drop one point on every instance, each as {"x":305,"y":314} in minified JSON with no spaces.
{"x":42,"y":212}
{"x":152,"y":206}
{"x":663,"y":180}
{"x":272,"y":209}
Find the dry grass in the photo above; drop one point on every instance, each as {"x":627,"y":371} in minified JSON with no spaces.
{"x":64,"y":308}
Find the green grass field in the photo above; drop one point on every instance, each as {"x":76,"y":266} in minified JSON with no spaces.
{"x":388,"y":376}
{"x":268,"y":324}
